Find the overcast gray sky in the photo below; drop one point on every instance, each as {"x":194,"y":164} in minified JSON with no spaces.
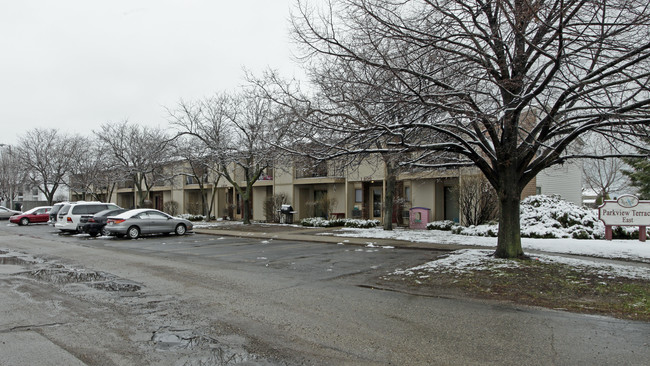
{"x":75,"y":64}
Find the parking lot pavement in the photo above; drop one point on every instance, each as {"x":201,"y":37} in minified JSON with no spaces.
{"x":28,"y":348}
{"x":302,"y":302}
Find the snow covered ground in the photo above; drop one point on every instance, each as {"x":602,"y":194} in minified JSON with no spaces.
{"x":466,"y":260}
{"x":478,"y":259}
{"x":618,"y":249}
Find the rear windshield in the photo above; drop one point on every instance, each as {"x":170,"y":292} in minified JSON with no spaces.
{"x":55,"y":209}
{"x":110,"y":212}
{"x":64,"y":210}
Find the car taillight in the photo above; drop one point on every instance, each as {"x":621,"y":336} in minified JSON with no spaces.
{"x":115,"y":221}
{"x":69,"y":219}
{"x":91,"y":220}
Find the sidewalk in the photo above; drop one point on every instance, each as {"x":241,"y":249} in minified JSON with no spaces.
{"x":320,"y":235}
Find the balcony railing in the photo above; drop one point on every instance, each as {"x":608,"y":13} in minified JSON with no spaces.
{"x":319,"y":172}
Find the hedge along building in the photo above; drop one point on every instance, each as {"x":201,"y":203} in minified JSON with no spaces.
{"x":327,"y":189}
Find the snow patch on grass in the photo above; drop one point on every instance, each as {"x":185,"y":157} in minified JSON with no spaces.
{"x":468,"y":260}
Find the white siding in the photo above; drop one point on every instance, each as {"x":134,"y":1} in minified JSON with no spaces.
{"x":563,"y":180}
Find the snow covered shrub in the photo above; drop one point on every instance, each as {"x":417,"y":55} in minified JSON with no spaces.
{"x":626,"y":232}
{"x":192,"y":217}
{"x":548,"y":217}
{"x":321,"y":222}
{"x":551,"y":217}
{"x":445,"y":225}
{"x":362,"y":224}
{"x":477,"y":230}
{"x":354,"y":223}
{"x":580,"y":234}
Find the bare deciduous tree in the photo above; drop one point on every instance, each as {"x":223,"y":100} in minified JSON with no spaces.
{"x":477,"y":200}
{"x":202,"y":170}
{"x":48,"y":157}
{"x":505,"y":85}
{"x":603,"y":176}
{"x":12,"y":174}
{"x":140,"y":153}
{"x":96,"y":174}
{"x":238,"y":129}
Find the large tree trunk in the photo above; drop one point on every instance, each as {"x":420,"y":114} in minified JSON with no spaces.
{"x":509,"y":239}
{"x":247,"y":213}
{"x":509,"y":194}
{"x":391,"y":179}
{"x":246,"y":201}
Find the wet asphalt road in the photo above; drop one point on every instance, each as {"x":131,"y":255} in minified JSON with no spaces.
{"x":202,"y":299}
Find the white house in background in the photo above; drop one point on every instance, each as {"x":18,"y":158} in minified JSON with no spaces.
{"x":31,"y":197}
{"x":563,"y":180}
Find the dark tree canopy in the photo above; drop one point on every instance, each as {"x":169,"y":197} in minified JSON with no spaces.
{"x":640,"y":173}
{"x":506,"y":85}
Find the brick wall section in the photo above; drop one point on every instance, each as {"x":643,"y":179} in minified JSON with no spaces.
{"x":530,"y":189}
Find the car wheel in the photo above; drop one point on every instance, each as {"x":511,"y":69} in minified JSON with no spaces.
{"x":24,"y":221}
{"x":104,"y":232}
{"x":93,"y":233}
{"x":133,"y":232}
{"x":180,"y":229}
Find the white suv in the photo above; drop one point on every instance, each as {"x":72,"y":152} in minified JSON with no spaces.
{"x":67,"y":219}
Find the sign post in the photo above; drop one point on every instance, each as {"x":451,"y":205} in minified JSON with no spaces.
{"x":628,"y":210}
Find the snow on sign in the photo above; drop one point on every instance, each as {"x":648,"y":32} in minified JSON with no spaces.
{"x":628,"y":210}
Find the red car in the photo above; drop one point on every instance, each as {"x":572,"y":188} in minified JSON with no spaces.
{"x":36,"y":214}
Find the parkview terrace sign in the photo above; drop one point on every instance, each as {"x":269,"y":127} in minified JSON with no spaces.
{"x":628,"y":210}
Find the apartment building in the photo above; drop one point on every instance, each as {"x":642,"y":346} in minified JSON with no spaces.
{"x":329,"y":188}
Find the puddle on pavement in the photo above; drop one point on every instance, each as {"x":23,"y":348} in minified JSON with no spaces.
{"x":13,"y":265}
{"x":203,"y":350}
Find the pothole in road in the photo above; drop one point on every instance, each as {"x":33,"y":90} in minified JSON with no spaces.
{"x":14,"y":261}
{"x":97,"y":280}
{"x":202,"y":349}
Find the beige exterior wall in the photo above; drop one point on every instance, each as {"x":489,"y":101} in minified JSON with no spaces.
{"x":429,"y":189}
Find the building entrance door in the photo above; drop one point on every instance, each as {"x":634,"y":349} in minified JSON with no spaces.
{"x":376,"y":203}
{"x":451,"y":204}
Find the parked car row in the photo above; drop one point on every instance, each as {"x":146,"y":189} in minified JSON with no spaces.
{"x":96,"y":218}
{"x":69,"y":215}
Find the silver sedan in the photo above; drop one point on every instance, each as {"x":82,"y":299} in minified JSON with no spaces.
{"x":6,"y":213}
{"x":134,"y":223}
